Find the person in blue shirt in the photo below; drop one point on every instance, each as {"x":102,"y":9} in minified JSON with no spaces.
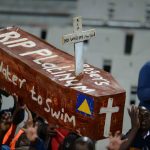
{"x":83,"y":143}
{"x":143,"y":90}
{"x":139,"y":134}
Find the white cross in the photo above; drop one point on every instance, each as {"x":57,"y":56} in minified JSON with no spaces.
{"x":77,"y":38}
{"x":109,"y":110}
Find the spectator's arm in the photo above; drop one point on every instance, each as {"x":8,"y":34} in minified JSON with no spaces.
{"x":30,"y":119}
{"x":135,"y":123}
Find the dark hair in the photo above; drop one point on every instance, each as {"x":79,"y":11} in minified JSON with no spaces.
{"x":19,"y":117}
{"x":84,"y":141}
{"x":40,"y":120}
{"x":4,"y":93}
{"x":68,"y":141}
{"x":42,"y":131}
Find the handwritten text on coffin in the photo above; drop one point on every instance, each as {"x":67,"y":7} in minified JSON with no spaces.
{"x":43,"y":77}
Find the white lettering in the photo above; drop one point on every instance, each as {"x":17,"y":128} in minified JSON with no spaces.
{"x":55,"y":114}
{"x":70,"y":83}
{"x":88,"y":69}
{"x":84,"y":89}
{"x":47,"y":109}
{"x":62,"y":114}
{"x":42,"y":52}
{"x":58,"y":114}
{"x":21,"y":82}
{"x":14,"y":79}
{"x":67,"y":76}
{"x":37,"y":61}
{"x":40,"y":100}
{"x":48,"y":65}
{"x":15,"y":41}
{"x":11,"y":77}
{"x":59,"y":72}
{"x":70,"y":119}
{"x":1,"y":66}
{"x":9,"y":35}
{"x":86,"y":65}
{"x":101,"y":83}
{"x":8,"y":74}
{"x":57,"y":68}
{"x":32,"y":94}
{"x":23,"y":44}
{"x":95,"y":76}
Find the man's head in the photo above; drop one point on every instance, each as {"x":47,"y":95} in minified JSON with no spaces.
{"x":5,"y":120}
{"x":68,"y":141}
{"x":83,"y":143}
{"x":144,"y":116}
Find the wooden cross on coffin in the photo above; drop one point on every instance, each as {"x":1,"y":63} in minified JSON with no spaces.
{"x":77,"y":38}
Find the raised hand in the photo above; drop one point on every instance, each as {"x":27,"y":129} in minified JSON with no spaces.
{"x":134,"y":116}
{"x":115,"y":141}
{"x":31,"y":133}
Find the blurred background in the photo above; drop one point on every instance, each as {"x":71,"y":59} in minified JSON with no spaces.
{"x":122,"y":43}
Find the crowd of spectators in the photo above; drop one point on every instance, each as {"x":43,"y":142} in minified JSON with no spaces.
{"x":37,"y":134}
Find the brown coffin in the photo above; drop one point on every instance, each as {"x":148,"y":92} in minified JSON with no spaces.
{"x":43,"y":76}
